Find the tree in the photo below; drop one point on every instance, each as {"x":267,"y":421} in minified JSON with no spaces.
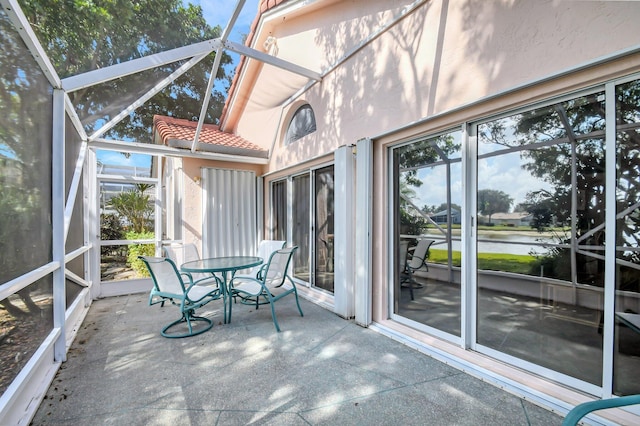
{"x":84,"y":35}
{"x":25,"y":158}
{"x":492,"y":201}
{"x":409,"y":160}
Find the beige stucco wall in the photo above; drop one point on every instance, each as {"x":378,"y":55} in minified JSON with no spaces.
{"x":444,"y":55}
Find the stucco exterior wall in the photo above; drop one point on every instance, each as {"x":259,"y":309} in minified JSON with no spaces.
{"x":443,"y":55}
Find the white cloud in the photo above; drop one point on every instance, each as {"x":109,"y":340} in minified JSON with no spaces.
{"x":502,"y":173}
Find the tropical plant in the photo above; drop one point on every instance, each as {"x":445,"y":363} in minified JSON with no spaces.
{"x":135,"y":207}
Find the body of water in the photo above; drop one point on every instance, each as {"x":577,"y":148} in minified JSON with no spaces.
{"x":500,"y":242}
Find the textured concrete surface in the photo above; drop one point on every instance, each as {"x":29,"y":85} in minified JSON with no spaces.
{"x":321,"y":369}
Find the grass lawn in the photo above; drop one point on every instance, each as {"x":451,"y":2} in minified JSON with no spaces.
{"x":517,"y":263}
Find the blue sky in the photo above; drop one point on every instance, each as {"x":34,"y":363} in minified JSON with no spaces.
{"x":218,"y":12}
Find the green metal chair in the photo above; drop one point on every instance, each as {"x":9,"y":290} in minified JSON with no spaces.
{"x":169,"y":285}
{"x":581,"y":410}
{"x":265,"y":249}
{"x":186,"y":253}
{"x":269,"y":284}
{"x":415,"y":261}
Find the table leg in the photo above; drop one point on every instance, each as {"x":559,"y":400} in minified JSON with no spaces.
{"x":225,"y":297}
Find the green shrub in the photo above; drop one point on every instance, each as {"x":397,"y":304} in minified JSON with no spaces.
{"x":110,"y":229}
{"x":136,"y":250}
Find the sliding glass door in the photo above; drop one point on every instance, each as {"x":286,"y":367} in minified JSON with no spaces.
{"x":301,"y":214}
{"x":304,"y":217}
{"x":428,"y":199}
{"x":544,"y":205}
{"x":323,"y":228}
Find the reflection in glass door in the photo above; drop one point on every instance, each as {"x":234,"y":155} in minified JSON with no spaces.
{"x":311,"y":224}
{"x":324,"y":238}
{"x":626,"y":357}
{"x":428,"y":197}
{"x":541,"y":233}
{"x":301,"y":226}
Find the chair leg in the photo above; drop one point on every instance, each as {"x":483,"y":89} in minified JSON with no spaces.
{"x":273,"y":313}
{"x":411,"y":285}
{"x":295,"y":292}
{"x":187,"y":317}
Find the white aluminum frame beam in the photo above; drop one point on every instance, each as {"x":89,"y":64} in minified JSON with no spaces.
{"x":214,"y":73}
{"x":102,"y":75}
{"x":272,"y":60}
{"x":154,"y":149}
{"x":21,"y":24}
{"x":144,"y":98}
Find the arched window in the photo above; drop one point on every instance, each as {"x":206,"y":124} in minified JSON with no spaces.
{"x":302,"y":123}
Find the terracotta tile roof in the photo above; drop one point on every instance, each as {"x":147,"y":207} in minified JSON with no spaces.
{"x":179,"y":133}
{"x":263,"y":7}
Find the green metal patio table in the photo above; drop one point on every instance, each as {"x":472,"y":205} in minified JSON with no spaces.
{"x":226,"y":267}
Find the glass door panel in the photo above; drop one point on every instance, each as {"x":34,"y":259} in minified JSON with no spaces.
{"x":428,"y":198}
{"x":301,"y":226}
{"x":540,"y":251}
{"x":626,"y":359}
{"x":278,"y":227}
{"x":324,"y":238}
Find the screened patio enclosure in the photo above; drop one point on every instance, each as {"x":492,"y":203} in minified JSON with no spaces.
{"x":63,"y":118}
{"x":376,"y":123}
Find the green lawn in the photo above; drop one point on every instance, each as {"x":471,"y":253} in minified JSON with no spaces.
{"x":517,"y":263}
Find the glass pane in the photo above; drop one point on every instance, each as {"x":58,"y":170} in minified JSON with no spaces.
{"x":302,"y":123}
{"x":627,"y":308}
{"x":278,"y":230}
{"x":25,"y":158}
{"x":126,"y":213}
{"x":428,"y":199}
{"x":540,"y":284}
{"x":26,"y":318}
{"x":324,"y":237}
{"x":301,"y":226}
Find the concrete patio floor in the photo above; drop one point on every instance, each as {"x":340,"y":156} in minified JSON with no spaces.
{"x":321,"y":369}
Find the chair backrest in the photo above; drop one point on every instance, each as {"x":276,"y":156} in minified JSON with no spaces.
{"x":174,"y":253}
{"x":165,"y":276}
{"x":404,"y":249}
{"x":420,"y":254}
{"x":190,"y":252}
{"x":265,"y":249}
{"x":180,"y":254}
{"x":276,"y":270}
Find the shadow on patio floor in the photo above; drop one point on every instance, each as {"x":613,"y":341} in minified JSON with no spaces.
{"x":321,"y":369}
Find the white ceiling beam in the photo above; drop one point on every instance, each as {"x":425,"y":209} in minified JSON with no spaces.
{"x":271,"y":60}
{"x":214,"y":73}
{"x":154,"y":149}
{"x":133,"y":66}
{"x":144,"y":98}
{"x":21,"y":24}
